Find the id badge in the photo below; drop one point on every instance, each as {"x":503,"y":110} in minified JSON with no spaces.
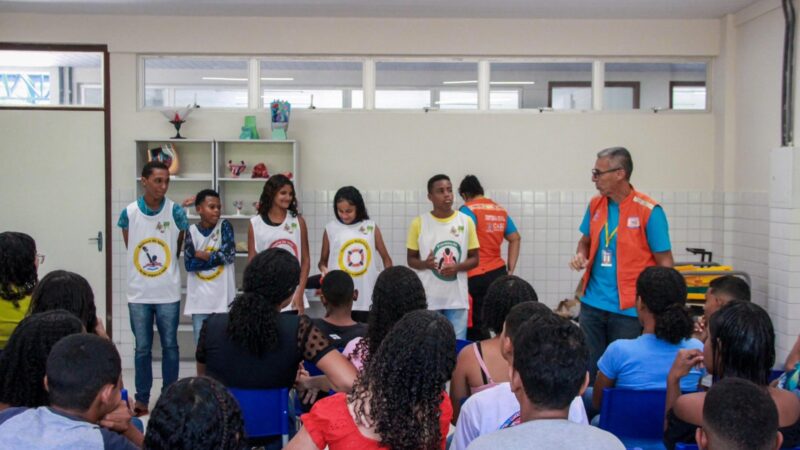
{"x":606,"y":258}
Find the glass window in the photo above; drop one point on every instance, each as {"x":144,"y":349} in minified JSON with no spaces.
{"x":412,"y":85}
{"x":687,"y":95}
{"x":656,"y":81}
{"x":535,"y":81}
{"x":47,"y":78}
{"x":172,"y":81}
{"x":321,"y":84}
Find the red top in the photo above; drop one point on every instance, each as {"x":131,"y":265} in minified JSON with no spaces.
{"x":330,"y":424}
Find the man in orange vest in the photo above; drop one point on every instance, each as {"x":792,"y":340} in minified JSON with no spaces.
{"x":624,"y":231}
{"x":493,"y":225}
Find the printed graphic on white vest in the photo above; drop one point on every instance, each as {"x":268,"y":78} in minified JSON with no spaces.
{"x":446,"y":253}
{"x":287,"y":245}
{"x":355,"y":257}
{"x":152,"y":257}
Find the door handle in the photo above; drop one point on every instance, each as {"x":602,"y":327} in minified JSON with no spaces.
{"x":99,"y":240}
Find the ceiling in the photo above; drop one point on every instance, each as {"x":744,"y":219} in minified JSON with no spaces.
{"x":576,"y":9}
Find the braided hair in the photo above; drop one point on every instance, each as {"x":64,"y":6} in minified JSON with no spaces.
{"x":270,"y":279}
{"x":17,"y":266}
{"x":663,"y":291}
{"x":24,"y":359}
{"x":195,"y":412}
{"x":399,"y":393}
{"x":60,"y":289}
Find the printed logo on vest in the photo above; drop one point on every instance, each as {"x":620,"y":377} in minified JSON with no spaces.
{"x":287,"y":245}
{"x":162,"y":226}
{"x":366,"y":230}
{"x":290,"y":229}
{"x":152,"y":257}
{"x":633,"y":222}
{"x":457,"y":231}
{"x":355,"y":257}
{"x":211,"y":274}
{"x":446,"y":253}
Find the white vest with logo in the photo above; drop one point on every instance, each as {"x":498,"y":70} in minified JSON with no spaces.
{"x":209,"y":291}
{"x":449,"y":242}
{"x":352,"y":250}
{"x":153,"y":275}
{"x":285,"y":236}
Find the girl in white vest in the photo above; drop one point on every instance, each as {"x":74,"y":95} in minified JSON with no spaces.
{"x":349,"y":244}
{"x":279,"y":225}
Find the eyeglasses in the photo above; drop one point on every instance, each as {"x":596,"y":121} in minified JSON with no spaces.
{"x":40,"y":258}
{"x":596,"y":173}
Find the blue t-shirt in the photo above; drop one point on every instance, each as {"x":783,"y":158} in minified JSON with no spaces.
{"x":178,"y":214}
{"x":602,"y":292}
{"x":644,"y":362}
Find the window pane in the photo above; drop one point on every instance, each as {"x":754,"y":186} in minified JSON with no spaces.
{"x":330,"y":82}
{"x":619,"y":98}
{"x":534,"y":81}
{"x":571,"y":97}
{"x":411,"y":85}
{"x":654,"y":80}
{"x":689,"y":97}
{"x":44,"y":78}
{"x":504,"y":99}
{"x":178,"y":82}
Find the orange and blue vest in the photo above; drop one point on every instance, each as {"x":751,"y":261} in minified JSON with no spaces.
{"x":491,"y":224}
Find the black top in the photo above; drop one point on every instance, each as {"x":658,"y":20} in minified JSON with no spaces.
{"x":340,"y":336}
{"x":680,"y":431}
{"x":235,"y":366}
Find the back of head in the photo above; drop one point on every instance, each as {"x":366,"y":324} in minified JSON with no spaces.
{"x":193,"y":413}
{"x":738,"y":415}
{"x":742,"y":342}
{"x":77,"y":369}
{"x":503,"y":294}
{"x":620,"y":157}
{"x":23,"y":362}
{"x":470,"y":187}
{"x":551,"y":360}
{"x":337,"y":288}
{"x":270,"y":278}
{"x":730,"y":287}
{"x":663,"y":292}
{"x":350,"y":195}
{"x":521,"y":313}
{"x":434,"y":179}
{"x":405,"y":379}
{"x":17,"y":265}
{"x":60,"y":289}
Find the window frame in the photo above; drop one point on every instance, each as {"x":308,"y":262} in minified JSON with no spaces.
{"x":635,"y":85}
{"x":674,"y":84}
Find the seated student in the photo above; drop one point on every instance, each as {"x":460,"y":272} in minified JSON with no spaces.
{"x":84,"y":382}
{"x":720,"y":291}
{"x":337,"y":297}
{"x":195,"y":413}
{"x":23,"y":361}
{"x":60,"y":289}
{"x":741,"y":343}
{"x":18,"y":276}
{"x":643,"y":363}
{"x":497,"y":408}
{"x":398,"y":291}
{"x":549,"y":371}
{"x":399,"y":401}
{"x":738,"y":415}
{"x":255,"y":347}
{"x":481,"y":365}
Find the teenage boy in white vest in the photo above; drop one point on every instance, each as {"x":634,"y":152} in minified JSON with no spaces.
{"x":209,"y":254}
{"x":448,"y":241}
{"x":153,"y":228}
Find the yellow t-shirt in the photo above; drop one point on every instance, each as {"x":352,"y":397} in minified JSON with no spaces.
{"x":11,"y":316}
{"x":412,"y":242}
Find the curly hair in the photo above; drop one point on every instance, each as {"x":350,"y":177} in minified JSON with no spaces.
{"x":270,"y":278}
{"x":400,"y":391}
{"x":398,"y":290}
{"x":272,"y":186}
{"x":742,"y":342}
{"x":503,"y":294}
{"x":24,"y":360}
{"x":350,"y":195}
{"x":60,"y":289}
{"x":17,"y":266}
{"x":470,"y":187}
{"x":663,"y":292}
{"x":195,"y":412}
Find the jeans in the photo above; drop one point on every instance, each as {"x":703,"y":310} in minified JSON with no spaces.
{"x":166,"y":318}
{"x":602,"y":328}
{"x":457,"y":317}
{"x":197,"y":325}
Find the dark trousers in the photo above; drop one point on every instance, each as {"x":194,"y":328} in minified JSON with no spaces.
{"x":602,"y":328}
{"x":478,"y":285}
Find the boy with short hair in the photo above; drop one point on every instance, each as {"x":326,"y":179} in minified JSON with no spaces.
{"x":83,"y":377}
{"x":155,"y":227}
{"x":337,"y":296}
{"x":720,"y":291}
{"x":209,"y":255}
{"x":449,"y":243}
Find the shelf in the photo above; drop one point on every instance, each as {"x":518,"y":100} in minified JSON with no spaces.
{"x":206,"y":141}
{"x":256,"y":141}
{"x":243,"y":179}
{"x":173,"y":178}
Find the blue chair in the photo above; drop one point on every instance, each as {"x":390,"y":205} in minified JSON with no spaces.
{"x":635,"y":417}
{"x":265,"y":412}
{"x":460,"y":344}
{"x":680,"y":446}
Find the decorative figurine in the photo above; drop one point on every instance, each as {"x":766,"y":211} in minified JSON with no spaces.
{"x":166,"y":154}
{"x":236,"y":169}
{"x":177,"y":118}
{"x":238,"y":204}
{"x":260,"y":171}
{"x":279,"y":114}
{"x":249,"y":130}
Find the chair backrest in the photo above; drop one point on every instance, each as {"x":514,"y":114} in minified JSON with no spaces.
{"x":633,"y":414}
{"x":265,"y":411}
{"x":460,"y":344}
{"x":681,"y":446}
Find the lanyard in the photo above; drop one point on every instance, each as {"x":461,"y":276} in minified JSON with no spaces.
{"x":610,"y":236}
